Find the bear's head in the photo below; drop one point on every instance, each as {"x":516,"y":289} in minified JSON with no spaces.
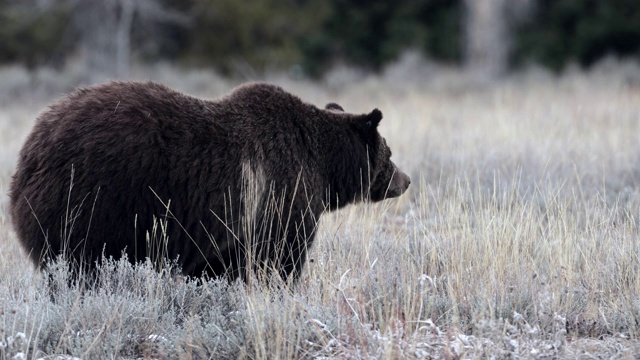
{"x":385,"y":179}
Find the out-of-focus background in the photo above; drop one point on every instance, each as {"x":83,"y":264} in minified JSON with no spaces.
{"x":307,"y":38}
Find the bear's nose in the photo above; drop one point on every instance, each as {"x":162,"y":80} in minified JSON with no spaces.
{"x":405,"y":180}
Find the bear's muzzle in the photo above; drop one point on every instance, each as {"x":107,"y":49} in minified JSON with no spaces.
{"x":399,"y":183}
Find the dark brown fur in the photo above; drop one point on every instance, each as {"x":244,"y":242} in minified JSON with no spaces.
{"x":242,"y":178}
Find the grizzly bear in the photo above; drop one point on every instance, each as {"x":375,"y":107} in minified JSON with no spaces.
{"x":224,"y":187}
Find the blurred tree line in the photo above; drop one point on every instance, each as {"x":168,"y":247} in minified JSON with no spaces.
{"x":243,"y":36}
{"x":578,"y":30}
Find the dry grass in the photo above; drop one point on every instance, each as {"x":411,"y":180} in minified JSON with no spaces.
{"x":519,"y":238}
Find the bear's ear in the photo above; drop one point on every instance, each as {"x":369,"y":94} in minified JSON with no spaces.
{"x":372,"y":120}
{"x":334,"y":106}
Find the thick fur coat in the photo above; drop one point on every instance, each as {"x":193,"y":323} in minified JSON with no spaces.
{"x":225,"y":186}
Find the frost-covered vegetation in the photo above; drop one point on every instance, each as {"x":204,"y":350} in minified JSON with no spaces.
{"x":518,"y":238}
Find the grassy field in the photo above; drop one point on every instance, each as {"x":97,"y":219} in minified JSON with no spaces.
{"x":519,"y":236}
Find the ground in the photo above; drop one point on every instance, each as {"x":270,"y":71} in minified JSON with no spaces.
{"x":518,"y":237}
